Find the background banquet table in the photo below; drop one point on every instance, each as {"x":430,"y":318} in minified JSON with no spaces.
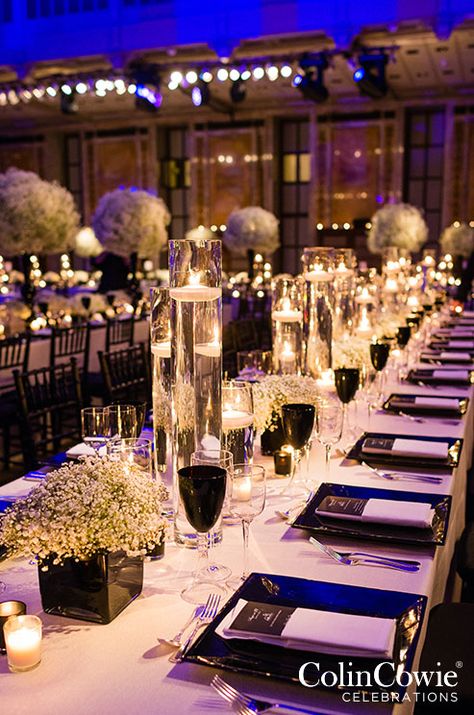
{"x":122,"y":668}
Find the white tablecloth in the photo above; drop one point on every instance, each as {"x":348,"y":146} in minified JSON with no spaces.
{"x":40,"y":347}
{"x":122,"y":669}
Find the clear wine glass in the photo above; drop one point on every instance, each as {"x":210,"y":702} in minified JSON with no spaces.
{"x":122,"y":421}
{"x":247,"y":501}
{"x":95,"y":427}
{"x":202,"y":490}
{"x":329,"y":422}
{"x":217,"y":458}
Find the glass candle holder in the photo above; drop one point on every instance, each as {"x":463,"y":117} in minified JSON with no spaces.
{"x":238,"y":421}
{"x":287,"y":325}
{"x":160,"y":334}
{"x":318,"y":271}
{"x":7,"y":610}
{"x":196,"y":361}
{"x":23,"y":642}
{"x":344,"y":292}
{"x":135,"y":451}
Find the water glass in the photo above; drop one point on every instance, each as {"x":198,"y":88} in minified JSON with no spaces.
{"x":329,"y":423}
{"x":95,"y":426}
{"x":135,"y":451}
{"x":122,"y":421}
{"x":247,"y":501}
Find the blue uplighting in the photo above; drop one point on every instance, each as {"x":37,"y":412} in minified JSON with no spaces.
{"x":297,"y":79}
{"x":359,"y":74}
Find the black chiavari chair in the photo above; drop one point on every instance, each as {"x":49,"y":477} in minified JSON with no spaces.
{"x":13,"y":355}
{"x":126,"y":374}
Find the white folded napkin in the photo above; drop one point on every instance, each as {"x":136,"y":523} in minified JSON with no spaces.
{"x":452,"y":375}
{"x":402,"y":447}
{"x":418,"y":515}
{"x":455,"y":356}
{"x":321,"y":631}
{"x":84,"y":450}
{"x":468,"y":344}
{"x":445,"y":403}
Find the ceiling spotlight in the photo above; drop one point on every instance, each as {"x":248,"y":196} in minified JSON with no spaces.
{"x":68,"y":101}
{"x":206,"y":76}
{"x":311,"y":84}
{"x":51,"y":91}
{"x":81,"y":87}
{"x":234,"y":74}
{"x":191,"y":77}
{"x":66,"y":89}
{"x":258,"y":73}
{"x":272,"y":73}
{"x":238,"y":91}
{"x":370,"y":76}
{"x":148,"y":98}
{"x":201,"y":94}
{"x":286,"y":71}
{"x":245,"y":75}
{"x":176,"y":77}
{"x":222,"y":74}
{"x":132,"y":88}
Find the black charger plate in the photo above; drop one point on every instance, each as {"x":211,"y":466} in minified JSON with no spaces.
{"x":434,"y":536}
{"x":392,"y":460}
{"x":270,"y":661}
{"x":412,"y":409}
{"x":422,"y":375}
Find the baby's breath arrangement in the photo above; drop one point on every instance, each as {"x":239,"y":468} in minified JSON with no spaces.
{"x":351,"y":352}
{"x":274,"y":391}
{"x":80,"y":509}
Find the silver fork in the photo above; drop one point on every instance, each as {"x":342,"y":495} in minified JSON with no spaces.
{"x":208,"y":614}
{"x":400,"y":476}
{"x":412,"y":418}
{"x":353,"y":559}
{"x":176,"y":640}
{"x":244,"y":705}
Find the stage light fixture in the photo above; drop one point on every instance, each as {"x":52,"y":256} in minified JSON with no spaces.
{"x":148,"y":98}
{"x":68,"y":101}
{"x":311,"y":85}
{"x":238,"y":91}
{"x":201,"y":94}
{"x":370,"y":76}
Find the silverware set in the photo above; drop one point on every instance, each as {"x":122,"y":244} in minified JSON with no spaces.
{"x":403,"y":476}
{"x":361,"y":558}
{"x":245,"y":705}
{"x":208,"y":613}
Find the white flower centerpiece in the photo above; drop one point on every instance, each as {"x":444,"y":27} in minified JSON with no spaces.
{"x":251,"y":230}
{"x":88,"y":526}
{"x":351,"y":351}
{"x":457,"y":240}
{"x":399,"y":225}
{"x":269,"y":395}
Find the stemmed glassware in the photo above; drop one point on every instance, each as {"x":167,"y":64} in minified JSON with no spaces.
{"x":247,"y":501}
{"x":217,"y":458}
{"x":202,"y":490}
{"x":329,"y":422}
{"x":347,"y":380}
{"x":140,"y":413}
{"x":95,"y":426}
{"x":379,"y":354}
{"x":122,"y":421}
{"x":298,"y":422}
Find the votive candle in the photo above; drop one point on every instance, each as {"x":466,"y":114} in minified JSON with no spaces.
{"x":23,"y":642}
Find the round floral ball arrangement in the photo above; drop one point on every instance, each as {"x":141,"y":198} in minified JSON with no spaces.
{"x":458,"y":240}
{"x":36,"y":216}
{"x":251,"y":229}
{"x":399,"y":225}
{"x":86,"y":243}
{"x":128,"y":221}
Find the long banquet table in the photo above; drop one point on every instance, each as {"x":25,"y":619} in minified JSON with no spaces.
{"x":123,"y":668}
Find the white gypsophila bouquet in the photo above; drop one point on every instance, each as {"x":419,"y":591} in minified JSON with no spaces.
{"x":400,"y":225}
{"x":274,"y":391}
{"x":458,"y":240}
{"x":200,"y":233}
{"x":351,"y":351}
{"x":80,"y":509}
{"x":127,"y":221}
{"x":36,"y":216}
{"x":86,"y":243}
{"x":51,"y":277}
{"x":251,"y":229}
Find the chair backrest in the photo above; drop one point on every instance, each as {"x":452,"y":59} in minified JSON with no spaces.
{"x":70,"y":342}
{"x":119,"y":331}
{"x":13,"y":354}
{"x":49,"y":402}
{"x":126,"y":373}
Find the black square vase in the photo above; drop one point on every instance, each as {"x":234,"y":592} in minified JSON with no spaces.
{"x":95,"y":590}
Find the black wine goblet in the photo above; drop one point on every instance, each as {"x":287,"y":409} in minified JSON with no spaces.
{"x":202,"y":490}
{"x":298,"y":423}
{"x":403,"y":335}
{"x":379,"y":353}
{"x":86,"y":302}
{"x":347,"y":380}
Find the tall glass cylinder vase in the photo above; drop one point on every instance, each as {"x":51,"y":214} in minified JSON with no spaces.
{"x":287,"y":325}
{"x":344,"y":293}
{"x":318,"y":271}
{"x":160,"y":333}
{"x":196,"y":361}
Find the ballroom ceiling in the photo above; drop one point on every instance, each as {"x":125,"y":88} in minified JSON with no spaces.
{"x":420,"y":66}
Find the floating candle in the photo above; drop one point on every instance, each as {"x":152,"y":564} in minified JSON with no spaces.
{"x":195,"y":293}
{"x":236,"y":419}
{"x":242,"y":489}
{"x":162,"y":350}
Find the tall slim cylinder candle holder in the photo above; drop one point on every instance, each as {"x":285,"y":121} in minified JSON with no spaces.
{"x":344,"y":292}
{"x":196,"y":362}
{"x":160,"y":333}
{"x":318,"y":271}
{"x":287,"y":325}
